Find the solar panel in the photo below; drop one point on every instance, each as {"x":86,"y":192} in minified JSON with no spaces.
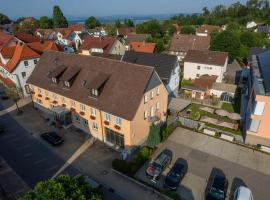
{"x":264,"y":65}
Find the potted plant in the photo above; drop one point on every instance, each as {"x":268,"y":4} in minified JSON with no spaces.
{"x":64,"y":105}
{"x":82,"y":113}
{"x":106,"y":123}
{"x":47,"y":98}
{"x":92,"y":117}
{"x":39,"y":95}
{"x":72,"y":110}
{"x":54,"y":102}
{"x":117,"y":127}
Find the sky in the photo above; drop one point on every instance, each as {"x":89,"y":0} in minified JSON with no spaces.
{"x":101,"y":8}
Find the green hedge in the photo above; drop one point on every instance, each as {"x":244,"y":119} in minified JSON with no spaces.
{"x":131,"y":167}
{"x":167,"y":131}
{"x":171,"y":194}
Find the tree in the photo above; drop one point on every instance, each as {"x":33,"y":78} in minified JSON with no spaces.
{"x":4,"y":19}
{"x":117,"y":23}
{"x":206,"y":12}
{"x":45,"y":22}
{"x":128,"y":23}
{"x":226,"y":41}
{"x":110,"y":29}
{"x":62,"y":188}
{"x":152,"y":27}
{"x":59,"y":20}
{"x":15,"y":94}
{"x":154,"y":136}
{"x":188,"y":30}
{"x":92,"y":22}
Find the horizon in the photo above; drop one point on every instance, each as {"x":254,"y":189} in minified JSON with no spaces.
{"x":121,"y":8}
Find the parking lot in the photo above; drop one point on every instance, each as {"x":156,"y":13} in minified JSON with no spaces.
{"x":242,"y":166}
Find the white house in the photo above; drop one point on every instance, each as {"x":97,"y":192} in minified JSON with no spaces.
{"x":18,"y":62}
{"x":224,"y":91}
{"x":167,"y":67}
{"x":198,"y":63}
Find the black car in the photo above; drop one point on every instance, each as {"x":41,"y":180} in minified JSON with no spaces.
{"x":3,"y":95}
{"x":2,"y":129}
{"x":217,"y":188}
{"x":176,"y":174}
{"x":53,"y":138}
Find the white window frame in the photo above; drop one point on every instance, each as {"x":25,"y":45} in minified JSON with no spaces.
{"x":158,"y":92}
{"x":157,"y":105}
{"x":145,"y":98}
{"x":95,"y":126}
{"x":118,"y":121}
{"x":107,"y":117}
{"x":72,"y":103}
{"x":152,"y":94}
{"x":93,"y":112}
{"x":82,"y":107}
{"x":26,"y":63}
{"x":145,"y":114}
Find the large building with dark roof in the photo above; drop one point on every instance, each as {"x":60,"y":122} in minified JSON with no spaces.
{"x":167,"y":67}
{"x":255,"y":101}
{"x":114,"y":101}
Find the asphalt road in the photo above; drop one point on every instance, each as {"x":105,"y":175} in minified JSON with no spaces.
{"x":29,"y":158}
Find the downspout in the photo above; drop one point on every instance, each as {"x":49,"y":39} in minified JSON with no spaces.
{"x":102,"y":132}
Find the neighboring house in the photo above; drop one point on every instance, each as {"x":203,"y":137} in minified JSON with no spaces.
{"x":124,"y":31}
{"x":198,"y":63}
{"x":251,"y":24}
{"x":224,"y":91}
{"x":77,"y":28}
{"x":25,"y":37}
{"x":106,"y":45}
{"x":206,"y":30}
{"x":98,"y":32}
{"x":167,"y":67}
{"x":6,"y":40}
{"x":115,"y":102}
{"x":134,"y":38}
{"x":177,"y":28}
{"x":64,"y":36}
{"x":46,"y":34}
{"x":181,"y":43}
{"x":144,"y":47}
{"x":200,"y":87}
{"x":17,"y":62}
{"x":264,"y":29}
{"x":255,"y":101}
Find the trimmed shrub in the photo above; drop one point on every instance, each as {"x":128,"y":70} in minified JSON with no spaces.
{"x":122,"y":166}
{"x":167,"y":132}
{"x":171,"y":194}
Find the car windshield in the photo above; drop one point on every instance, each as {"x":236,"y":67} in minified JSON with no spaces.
{"x":156,"y":166}
{"x":217,"y":193}
{"x":172,"y":178}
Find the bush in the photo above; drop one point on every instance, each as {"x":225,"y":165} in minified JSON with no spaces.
{"x":143,"y":155}
{"x":167,"y":132}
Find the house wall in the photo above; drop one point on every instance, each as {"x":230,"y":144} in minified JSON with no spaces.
{"x":263,"y":130}
{"x":17,"y":77}
{"x":191,"y":70}
{"x":218,"y":93}
{"x":135,"y":131}
{"x":173,"y":85}
{"x":139,"y":125}
{"x":117,"y":48}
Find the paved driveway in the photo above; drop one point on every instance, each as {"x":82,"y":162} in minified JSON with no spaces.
{"x":203,"y":153}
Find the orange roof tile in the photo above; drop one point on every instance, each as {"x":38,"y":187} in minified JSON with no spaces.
{"x":7,"y":52}
{"x":42,"y":46}
{"x":6,"y":81}
{"x":145,"y":47}
{"x":104,"y":43}
{"x":76,"y":27}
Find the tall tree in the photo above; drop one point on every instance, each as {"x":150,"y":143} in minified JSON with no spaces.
{"x":45,"y":22}
{"x":62,"y":188}
{"x":227,"y":41}
{"x":92,"y":22}
{"x":4,"y":19}
{"x":15,"y":94}
{"x":128,"y":23}
{"x":117,"y":23}
{"x":59,"y":20}
{"x":154,"y":136}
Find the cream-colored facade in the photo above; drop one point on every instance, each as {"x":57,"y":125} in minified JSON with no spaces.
{"x":98,"y":123}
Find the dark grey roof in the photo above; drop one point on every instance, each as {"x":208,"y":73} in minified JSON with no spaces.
{"x":163,"y":63}
{"x":83,"y":35}
{"x":264,"y":66}
{"x":263,"y":29}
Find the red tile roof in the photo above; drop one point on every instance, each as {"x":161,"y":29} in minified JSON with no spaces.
{"x":40,"y":47}
{"x":145,"y":47}
{"x":5,"y":40}
{"x":7,"y":52}
{"x":26,"y":38}
{"x":104,"y":43}
{"x":205,"y":81}
{"x":76,"y":27}
{"x":125,"y":30}
{"x":207,"y":29}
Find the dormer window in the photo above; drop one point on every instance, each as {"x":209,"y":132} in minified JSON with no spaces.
{"x":94,"y":92}
{"x":67,"y":84}
{"x":54,"y":80}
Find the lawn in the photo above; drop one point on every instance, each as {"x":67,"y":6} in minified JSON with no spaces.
{"x":186,"y":83}
{"x":228,"y":107}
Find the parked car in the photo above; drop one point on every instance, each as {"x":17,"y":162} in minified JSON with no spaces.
{"x":216,"y":188}
{"x":156,"y":167}
{"x":2,"y":129}
{"x":242,"y":193}
{"x":4,"y":95}
{"x":175,"y":175}
{"x":53,"y":138}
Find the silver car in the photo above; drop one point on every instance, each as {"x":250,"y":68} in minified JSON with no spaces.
{"x":242,"y":193}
